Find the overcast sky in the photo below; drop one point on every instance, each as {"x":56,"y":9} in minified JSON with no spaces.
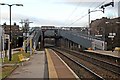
{"x":61,"y":13}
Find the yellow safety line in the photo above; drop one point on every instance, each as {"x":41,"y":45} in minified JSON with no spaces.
{"x":51,"y":68}
{"x":75,"y":75}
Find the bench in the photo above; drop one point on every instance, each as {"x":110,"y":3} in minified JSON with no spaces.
{"x":23,"y":58}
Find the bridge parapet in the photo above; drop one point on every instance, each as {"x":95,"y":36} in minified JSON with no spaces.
{"x":83,"y":39}
{"x":77,"y":37}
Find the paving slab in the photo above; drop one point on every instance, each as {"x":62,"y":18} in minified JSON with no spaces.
{"x":31,"y":69}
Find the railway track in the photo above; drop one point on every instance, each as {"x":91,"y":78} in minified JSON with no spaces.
{"x":110,"y":59}
{"x":101,"y":69}
{"x":111,"y":66}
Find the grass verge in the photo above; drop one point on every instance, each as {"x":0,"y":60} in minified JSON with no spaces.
{"x":6,"y":70}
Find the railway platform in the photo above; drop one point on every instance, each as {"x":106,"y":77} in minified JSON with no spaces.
{"x":43,"y":65}
{"x":32,"y":69}
{"x":57,"y":68}
{"x":107,"y":53}
{"x":47,"y":64}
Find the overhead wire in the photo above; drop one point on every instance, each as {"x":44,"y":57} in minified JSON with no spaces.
{"x":99,"y":5}
{"x":100,"y":21}
{"x":89,"y":6}
{"x":86,"y":14}
{"x":76,"y":9}
{"x":72,"y":12}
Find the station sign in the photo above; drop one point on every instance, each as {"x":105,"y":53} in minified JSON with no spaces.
{"x":111,"y":36}
{"x":98,"y":35}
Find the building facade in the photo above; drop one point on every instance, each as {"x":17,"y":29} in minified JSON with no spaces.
{"x":106,"y":27}
{"x":16,"y":33}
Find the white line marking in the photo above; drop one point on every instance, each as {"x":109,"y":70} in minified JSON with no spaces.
{"x":67,"y":66}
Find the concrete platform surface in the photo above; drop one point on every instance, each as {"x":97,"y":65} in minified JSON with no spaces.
{"x":57,"y":68}
{"x":31,"y":69}
{"x":109,"y":53}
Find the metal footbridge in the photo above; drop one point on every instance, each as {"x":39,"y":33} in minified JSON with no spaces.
{"x":79,"y":38}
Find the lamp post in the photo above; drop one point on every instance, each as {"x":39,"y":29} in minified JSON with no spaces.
{"x":10,"y":5}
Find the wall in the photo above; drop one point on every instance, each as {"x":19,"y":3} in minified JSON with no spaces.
{"x":100,"y":27}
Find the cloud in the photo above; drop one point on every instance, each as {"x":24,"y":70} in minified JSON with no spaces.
{"x":85,"y":3}
{"x":17,"y":18}
{"x":54,"y":12}
{"x":36,"y":21}
{"x":85,"y":0}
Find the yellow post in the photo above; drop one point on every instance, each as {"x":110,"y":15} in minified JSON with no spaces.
{"x":21,"y":49}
